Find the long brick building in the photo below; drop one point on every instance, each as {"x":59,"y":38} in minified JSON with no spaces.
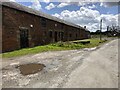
{"x":24,"y":27}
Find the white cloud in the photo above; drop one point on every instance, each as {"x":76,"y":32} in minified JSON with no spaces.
{"x":50,"y":6}
{"x":46,"y":1}
{"x":13,"y":0}
{"x":91,"y":7}
{"x":105,"y":3}
{"x":109,"y":4}
{"x":36,"y":5}
{"x":83,"y":3}
{"x":88,"y":17}
{"x":57,"y":15}
{"x":63,"y":5}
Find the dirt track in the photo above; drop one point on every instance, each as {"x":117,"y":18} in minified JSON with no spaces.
{"x":92,"y":68}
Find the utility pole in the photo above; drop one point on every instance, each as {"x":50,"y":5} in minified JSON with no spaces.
{"x":107,"y":30}
{"x":101,"y":29}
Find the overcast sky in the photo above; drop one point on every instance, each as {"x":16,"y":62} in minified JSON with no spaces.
{"x":81,"y":13}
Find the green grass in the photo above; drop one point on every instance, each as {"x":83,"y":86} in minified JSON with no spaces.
{"x":53,"y":47}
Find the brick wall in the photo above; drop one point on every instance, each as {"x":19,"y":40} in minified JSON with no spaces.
{"x":14,"y":19}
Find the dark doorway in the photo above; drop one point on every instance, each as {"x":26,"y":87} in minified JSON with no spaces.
{"x":24,"y":43}
{"x":62,"y":36}
{"x":55,"y":36}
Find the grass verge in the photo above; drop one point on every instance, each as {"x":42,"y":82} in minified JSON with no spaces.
{"x":54,"y":47}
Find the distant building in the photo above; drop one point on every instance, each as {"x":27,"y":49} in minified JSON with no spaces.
{"x":24,"y":27}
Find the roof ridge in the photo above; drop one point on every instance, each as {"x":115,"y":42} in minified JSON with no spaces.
{"x":38,"y":13}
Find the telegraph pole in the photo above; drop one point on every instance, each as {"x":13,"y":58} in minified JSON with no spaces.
{"x":107,"y":30}
{"x":101,"y":29}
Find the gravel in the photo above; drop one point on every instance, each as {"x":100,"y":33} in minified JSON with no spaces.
{"x":92,"y":68}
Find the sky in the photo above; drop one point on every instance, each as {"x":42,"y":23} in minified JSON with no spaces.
{"x":86,"y":13}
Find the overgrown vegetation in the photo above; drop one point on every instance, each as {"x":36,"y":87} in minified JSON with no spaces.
{"x":55,"y":47}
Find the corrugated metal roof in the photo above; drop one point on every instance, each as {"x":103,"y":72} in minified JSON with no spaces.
{"x":38,"y":13}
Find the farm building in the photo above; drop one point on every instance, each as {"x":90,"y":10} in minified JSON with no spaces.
{"x":24,"y":27}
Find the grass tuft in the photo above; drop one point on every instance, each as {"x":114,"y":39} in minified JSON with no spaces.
{"x":54,"y":47}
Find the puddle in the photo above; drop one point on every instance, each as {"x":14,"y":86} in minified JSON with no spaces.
{"x":32,"y":68}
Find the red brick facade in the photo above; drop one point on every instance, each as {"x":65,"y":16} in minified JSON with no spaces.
{"x":41,"y":30}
